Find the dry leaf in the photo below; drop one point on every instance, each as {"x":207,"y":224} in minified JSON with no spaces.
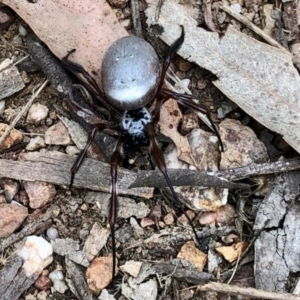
{"x":259,"y":78}
{"x":132,"y":267}
{"x":170,"y":116}
{"x":231,"y":253}
{"x":191,"y":253}
{"x":90,"y":27}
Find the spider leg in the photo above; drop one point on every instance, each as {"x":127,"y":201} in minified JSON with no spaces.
{"x":159,"y":160}
{"x":172,"y":50}
{"x":115,"y":159}
{"x":87,"y":114}
{"x":163,"y":94}
{"x":80,"y":158}
{"x":97,"y":125}
{"x":76,"y":68}
{"x":93,"y":87}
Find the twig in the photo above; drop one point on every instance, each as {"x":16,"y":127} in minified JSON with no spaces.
{"x":136,"y":20}
{"x":248,"y":292}
{"x":296,"y":290}
{"x":259,"y":169}
{"x":257,"y":234}
{"x":192,"y":177}
{"x":183,"y":177}
{"x":43,"y":221}
{"x":22,"y":59}
{"x":157,"y":11}
{"x":62,"y":83}
{"x":250,"y":25}
{"x":235,"y":268}
{"x":22,"y":112}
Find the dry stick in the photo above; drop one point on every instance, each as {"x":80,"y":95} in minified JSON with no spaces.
{"x":248,"y":292}
{"x":43,"y":221}
{"x":235,"y":268}
{"x":136,"y":20}
{"x":190,"y":177}
{"x":23,"y":111}
{"x":250,"y":25}
{"x":296,"y":290}
{"x":157,"y":11}
{"x":22,"y":59}
{"x":259,"y":169}
{"x":257,"y":234}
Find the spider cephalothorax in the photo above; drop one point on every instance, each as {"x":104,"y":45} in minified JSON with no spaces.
{"x":134,"y":124}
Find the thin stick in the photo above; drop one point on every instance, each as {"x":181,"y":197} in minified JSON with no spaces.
{"x":22,"y":59}
{"x":23,"y":111}
{"x":250,"y":25}
{"x":259,"y":169}
{"x":235,"y":268}
{"x":135,"y":16}
{"x":248,"y":292}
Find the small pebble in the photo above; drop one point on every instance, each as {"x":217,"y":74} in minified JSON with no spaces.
{"x":184,"y":65}
{"x":84,"y":207}
{"x":30,"y":297}
{"x":7,"y":17}
{"x":57,"y":278}
{"x":43,"y":283}
{"x":169,"y":219}
{"x":146,"y":222}
{"x":42,"y":295}
{"x":236,"y":7}
{"x":125,"y":23}
{"x":118,"y":3}
{"x":24,"y":75}
{"x":124,"y":234}
{"x":56,"y":275}
{"x":180,"y":86}
{"x":161,"y":224}
{"x":57,"y":135}
{"x":22,"y":30}
{"x":14,"y":137}
{"x":52,"y":233}
{"x":72,"y":150}
{"x":35,"y":143}
{"x":98,"y":274}
{"x":137,"y":230}
{"x":2,"y":107}
{"x":11,"y":188}
{"x":37,"y":113}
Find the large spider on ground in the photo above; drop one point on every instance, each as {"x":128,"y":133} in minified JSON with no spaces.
{"x":131,"y":81}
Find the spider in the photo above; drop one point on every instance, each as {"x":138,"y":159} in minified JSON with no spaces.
{"x":131,"y":81}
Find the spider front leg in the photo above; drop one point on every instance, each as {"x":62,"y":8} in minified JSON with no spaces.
{"x":98,"y":125}
{"x":160,"y":162}
{"x":114,"y":162}
{"x":164,"y":94}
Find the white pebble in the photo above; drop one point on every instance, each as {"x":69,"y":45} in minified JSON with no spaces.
{"x":56,"y":275}
{"x":236,"y":7}
{"x":52,"y":233}
{"x":22,"y":30}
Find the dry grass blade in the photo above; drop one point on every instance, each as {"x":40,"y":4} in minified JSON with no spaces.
{"x":23,"y":111}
